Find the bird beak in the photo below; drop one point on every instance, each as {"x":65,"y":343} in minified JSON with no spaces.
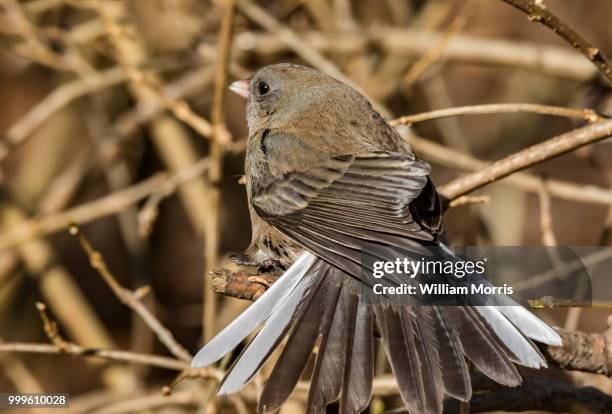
{"x":240,"y":87}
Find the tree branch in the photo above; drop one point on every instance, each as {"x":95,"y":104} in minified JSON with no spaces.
{"x":108,"y":354}
{"x":537,"y":11}
{"x":586,"y":114}
{"x":528,"y":157}
{"x":527,"y":182}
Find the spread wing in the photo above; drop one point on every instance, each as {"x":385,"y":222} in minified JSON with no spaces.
{"x":383,"y":198}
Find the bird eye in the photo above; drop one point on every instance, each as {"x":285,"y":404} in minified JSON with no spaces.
{"x":263,"y":88}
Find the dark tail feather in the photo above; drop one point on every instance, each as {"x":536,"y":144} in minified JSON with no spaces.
{"x":326,"y":380}
{"x":398,"y":337}
{"x":427,"y":346}
{"x":457,"y":382}
{"x":359,"y":371}
{"x":297,"y":350}
{"x":482,"y":347}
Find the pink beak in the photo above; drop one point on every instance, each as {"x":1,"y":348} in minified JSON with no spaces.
{"x":240,"y":87}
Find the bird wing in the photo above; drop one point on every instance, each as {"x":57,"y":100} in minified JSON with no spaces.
{"x":334,"y":209}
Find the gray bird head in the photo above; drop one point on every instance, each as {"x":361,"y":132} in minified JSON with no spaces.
{"x":277,"y":93}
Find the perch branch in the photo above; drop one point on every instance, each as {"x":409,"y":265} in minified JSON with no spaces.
{"x":583,"y":352}
{"x":537,"y":11}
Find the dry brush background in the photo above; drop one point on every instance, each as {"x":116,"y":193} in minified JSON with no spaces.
{"x":121,"y":157}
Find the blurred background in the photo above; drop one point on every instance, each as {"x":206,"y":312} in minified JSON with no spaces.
{"x":111,"y":99}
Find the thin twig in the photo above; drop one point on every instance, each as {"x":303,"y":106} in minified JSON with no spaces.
{"x":465,"y":200}
{"x":538,"y":12}
{"x":108,"y":354}
{"x":586,"y":114}
{"x":132,"y":299}
{"x":50,"y":327}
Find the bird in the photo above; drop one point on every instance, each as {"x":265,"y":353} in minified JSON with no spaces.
{"x":326,"y":175}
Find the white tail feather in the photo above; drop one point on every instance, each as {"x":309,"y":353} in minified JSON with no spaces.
{"x":530,"y":325}
{"x":255,"y":354}
{"x":511,"y":337}
{"x":243,"y":325}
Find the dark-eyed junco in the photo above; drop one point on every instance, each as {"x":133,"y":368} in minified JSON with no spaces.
{"x":325,"y":174}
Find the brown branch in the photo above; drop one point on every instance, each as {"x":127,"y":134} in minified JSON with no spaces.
{"x":240,"y":284}
{"x":583,"y":352}
{"x":561,"y":189}
{"x":528,"y":157}
{"x":132,"y":299}
{"x":538,"y":12}
{"x":108,"y":354}
{"x":586,"y":114}
{"x":434,"y":54}
{"x":538,"y":394}
{"x":57,"y":99}
{"x":105,"y":206}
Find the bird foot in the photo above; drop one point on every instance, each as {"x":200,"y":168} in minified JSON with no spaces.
{"x":266,"y":266}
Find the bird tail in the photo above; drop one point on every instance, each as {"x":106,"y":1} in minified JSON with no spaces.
{"x":313,"y":301}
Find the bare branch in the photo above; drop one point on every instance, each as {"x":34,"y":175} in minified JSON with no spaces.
{"x":538,"y":12}
{"x":528,"y":157}
{"x":111,"y":355}
{"x":561,"y":189}
{"x":586,"y":114}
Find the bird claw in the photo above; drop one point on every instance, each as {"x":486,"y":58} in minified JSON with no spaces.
{"x":266,"y":266}
{"x":271,"y":265}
